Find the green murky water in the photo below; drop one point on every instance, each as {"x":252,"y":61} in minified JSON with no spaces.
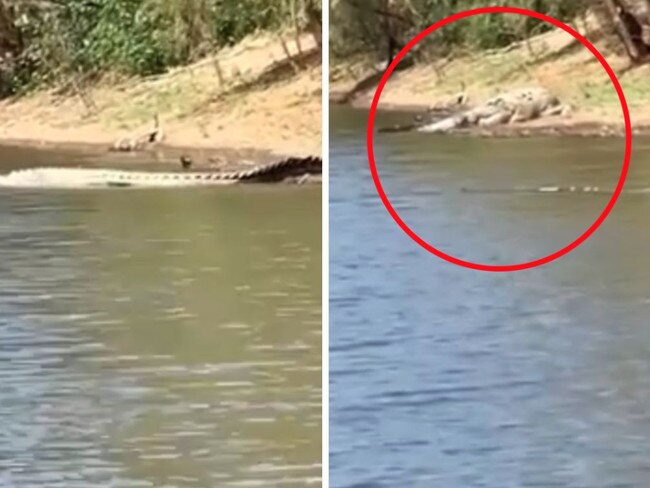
{"x":159,"y":338}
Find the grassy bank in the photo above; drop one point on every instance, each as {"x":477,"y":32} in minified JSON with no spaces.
{"x":552,"y":59}
{"x":214,"y":73}
{"x":248,"y":96}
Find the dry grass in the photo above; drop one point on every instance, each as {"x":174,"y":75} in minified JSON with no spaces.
{"x":197,"y":107}
{"x":554,"y":60}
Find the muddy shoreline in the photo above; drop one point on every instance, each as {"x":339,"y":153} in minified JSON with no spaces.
{"x":206,"y":158}
{"x":157,"y":158}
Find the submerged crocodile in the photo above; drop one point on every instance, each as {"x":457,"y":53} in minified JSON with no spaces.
{"x":547,"y":189}
{"x":106,"y":178}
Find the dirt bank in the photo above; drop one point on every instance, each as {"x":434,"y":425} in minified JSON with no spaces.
{"x":247,"y":98}
{"x":553,"y":60}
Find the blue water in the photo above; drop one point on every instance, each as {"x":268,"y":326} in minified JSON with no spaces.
{"x":448,"y":377}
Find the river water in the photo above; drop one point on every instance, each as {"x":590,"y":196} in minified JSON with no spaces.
{"x":163,"y":338}
{"x":448,"y":377}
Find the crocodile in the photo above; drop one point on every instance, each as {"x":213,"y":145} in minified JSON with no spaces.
{"x":512,"y":107}
{"x":62,"y":177}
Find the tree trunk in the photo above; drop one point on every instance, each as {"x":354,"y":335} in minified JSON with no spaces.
{"x":313,"y":20}
{"x":9,"y":36}
{"x":621,"y":19}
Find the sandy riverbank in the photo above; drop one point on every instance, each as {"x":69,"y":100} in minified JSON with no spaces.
{"x":553,"y":60}
{"x":255,"y":110}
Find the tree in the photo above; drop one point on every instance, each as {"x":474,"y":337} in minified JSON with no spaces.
{"x":10,"y":42}
{"x":631,"y":19}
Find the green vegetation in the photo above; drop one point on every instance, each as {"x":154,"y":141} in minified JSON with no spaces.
{"x":47,"y":41}
{"x":365,"y":27}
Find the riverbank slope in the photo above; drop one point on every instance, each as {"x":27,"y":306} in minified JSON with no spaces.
{"x":553,"y":60}
{"x":248,"y":98}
